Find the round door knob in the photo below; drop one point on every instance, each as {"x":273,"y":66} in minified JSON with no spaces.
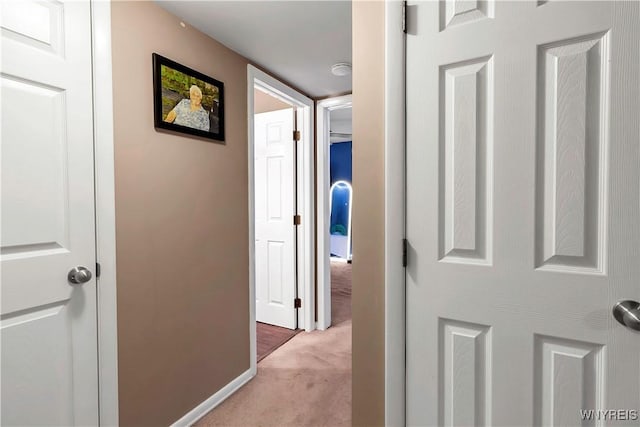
{"x":628,"y":314}
{"x":79,"y":275}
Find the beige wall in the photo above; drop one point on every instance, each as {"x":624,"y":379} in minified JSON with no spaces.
{"x":368,"y":213}
{"x":182,"y":233}
{"x":181,"y":217}
{"x":263,"y":102}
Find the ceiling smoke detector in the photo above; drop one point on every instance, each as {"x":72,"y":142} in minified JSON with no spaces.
{"x":341,"y":69}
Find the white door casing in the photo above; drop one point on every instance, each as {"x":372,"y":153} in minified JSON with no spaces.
{"x":49,"y":335}
{"x":274,"y":210}
{"x":323,"y":212}
{"x":523,"y":211}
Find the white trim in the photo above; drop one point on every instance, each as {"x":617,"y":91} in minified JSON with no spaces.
{"x":217,"y":398}
{"x":300,"y":231}
{"x":394,"y":173}
{"x":259,"y":79}
{"x":323,"y":110}
{"x":105,"y":212}
{"x":253,"y":365}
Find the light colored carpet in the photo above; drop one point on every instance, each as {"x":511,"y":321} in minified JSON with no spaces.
{"x":340,"y":291}
{"x":304,"y":383}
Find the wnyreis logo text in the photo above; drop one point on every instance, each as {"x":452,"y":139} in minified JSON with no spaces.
{"x":609,"y":414}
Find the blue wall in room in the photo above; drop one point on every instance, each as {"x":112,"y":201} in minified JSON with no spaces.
{"x":340,"y":162}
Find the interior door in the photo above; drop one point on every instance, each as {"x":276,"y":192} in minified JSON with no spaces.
{"x":48,"y":325}
{"x":523,"y":212}
{"x":274,"y":211}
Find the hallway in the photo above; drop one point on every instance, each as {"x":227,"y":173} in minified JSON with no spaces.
{"x":307,"y":381}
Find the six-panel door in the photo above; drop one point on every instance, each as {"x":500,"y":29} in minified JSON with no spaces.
{"x":523,"y":211}
{"x":49,"y":335}
{"x":274,"y":210}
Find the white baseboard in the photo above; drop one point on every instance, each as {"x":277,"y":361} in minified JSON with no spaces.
{"x":220,"y":396}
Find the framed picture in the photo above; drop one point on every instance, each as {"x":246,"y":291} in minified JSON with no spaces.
{"x":186,"y":100}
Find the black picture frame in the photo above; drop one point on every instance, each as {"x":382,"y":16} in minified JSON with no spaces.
{"x":176,"y":87}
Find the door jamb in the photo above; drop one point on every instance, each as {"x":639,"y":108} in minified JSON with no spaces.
{"x":395,"y":214}
{"x":306,"y":249}
{"x":323,"y":111}
{"x":105,"y":212}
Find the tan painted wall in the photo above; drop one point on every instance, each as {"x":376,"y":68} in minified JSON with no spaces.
{"x":263,"y":102}
{"x":368,"y":213}
{"x":182,"y":233}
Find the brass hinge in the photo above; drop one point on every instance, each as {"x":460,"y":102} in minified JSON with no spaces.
{"x":297,"y":303}
{"x":296,"y":135}
{"x":297,"y":220}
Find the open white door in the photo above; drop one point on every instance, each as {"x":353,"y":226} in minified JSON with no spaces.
{"x":523,"y":212}
{"x":274,"y":210}
{"x":48,"y":324}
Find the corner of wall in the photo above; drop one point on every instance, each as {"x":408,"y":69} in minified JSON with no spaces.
{"x":368,"y":214}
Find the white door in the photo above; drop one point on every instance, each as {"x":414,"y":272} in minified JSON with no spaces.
{"x":523,"y":211}
{"x":48,"y":325}
{"x":275,"y":208}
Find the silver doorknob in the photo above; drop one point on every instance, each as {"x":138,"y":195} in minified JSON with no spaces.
{"x":79,"y":275}
{"x":628,"y":314}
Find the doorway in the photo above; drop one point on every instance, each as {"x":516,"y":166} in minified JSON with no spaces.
{"x":275,"y":184}
{"x":280,"y":213}
{"x":333,"y":116}
{"x":340,"y":209}
{"x":522,"y":211}
{"x":59,"y":343}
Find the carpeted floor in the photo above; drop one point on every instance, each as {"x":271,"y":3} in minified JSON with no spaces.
{"x":340,"y":291}
{"x":306,"y":382}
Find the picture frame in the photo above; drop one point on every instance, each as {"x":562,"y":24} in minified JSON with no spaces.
{"x":187,"y":101}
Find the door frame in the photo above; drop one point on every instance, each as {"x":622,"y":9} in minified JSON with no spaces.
{"x":257,"y":78}
{"x":395,"y":196}
{"x":105,"y":212}
{"x":323,"y":110}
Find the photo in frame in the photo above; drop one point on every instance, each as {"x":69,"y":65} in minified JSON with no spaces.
{"x":186,"y":100}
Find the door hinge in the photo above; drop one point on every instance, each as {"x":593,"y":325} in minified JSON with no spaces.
{"x":297,"y":220}
{"x":297,"y":303}
{"x":98,"y":269}
{"x":404,"y":17}
{"x":296,"y":135}
{"x":405,"y":256}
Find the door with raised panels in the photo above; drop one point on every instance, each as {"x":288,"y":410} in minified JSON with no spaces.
{"x":523,"y":212}
{"x":48,"y":324}
{"x":274,"y":210}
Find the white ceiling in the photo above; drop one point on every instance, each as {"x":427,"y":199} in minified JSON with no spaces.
{"x":297,"y":41}
{"x":340,"y":121}
{"x":341,"y":114}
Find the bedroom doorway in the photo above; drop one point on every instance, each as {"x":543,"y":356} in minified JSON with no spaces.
{"x":334,"y":205}
{"x":281,"y":227}
{"x":275,"y":204}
